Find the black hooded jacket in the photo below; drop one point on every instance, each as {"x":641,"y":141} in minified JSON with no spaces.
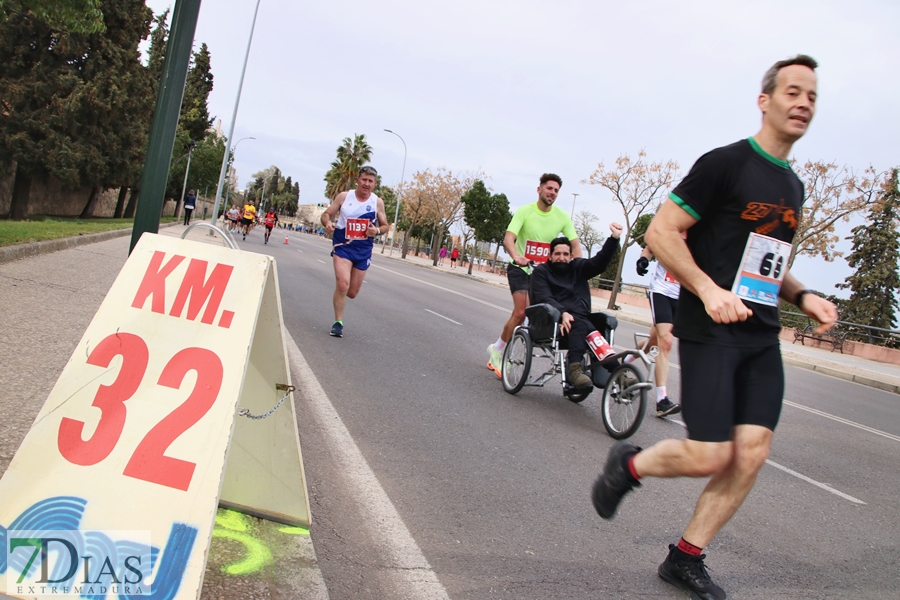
{"x":565,"y":286}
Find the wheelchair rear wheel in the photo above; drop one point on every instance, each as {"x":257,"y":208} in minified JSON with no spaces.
{"x":516,"y":361}
{"x":624,"y":405}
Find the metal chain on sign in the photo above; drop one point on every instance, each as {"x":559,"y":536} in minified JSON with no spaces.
{"x":245,"y":412}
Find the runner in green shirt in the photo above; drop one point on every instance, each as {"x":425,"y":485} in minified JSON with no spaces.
{"x":527,"y":241}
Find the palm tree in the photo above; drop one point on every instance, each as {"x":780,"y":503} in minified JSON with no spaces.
{"x":351,"y":155}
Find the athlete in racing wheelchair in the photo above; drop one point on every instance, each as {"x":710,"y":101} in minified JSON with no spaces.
{"x":560,"y":317}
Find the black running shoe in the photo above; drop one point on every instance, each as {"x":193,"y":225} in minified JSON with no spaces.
{"x":614,"y":482}
{"x":337,"y":330}
{"x":688,"y":573}
{"x":666,"y":407}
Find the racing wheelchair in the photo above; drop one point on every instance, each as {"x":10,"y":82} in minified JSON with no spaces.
{"x":624,"y":386}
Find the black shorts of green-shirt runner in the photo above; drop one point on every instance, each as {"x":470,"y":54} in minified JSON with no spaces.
{"x":732,"y":374}
{"x":519,"y":279}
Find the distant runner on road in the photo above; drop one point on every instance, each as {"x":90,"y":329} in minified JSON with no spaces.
{"x":248,"y":217}
{"x":360,"y":217}
{"x":269,"y":221}
{"x":527,"y":241}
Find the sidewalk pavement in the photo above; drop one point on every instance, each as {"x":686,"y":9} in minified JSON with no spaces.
{"x":52,"y":296}
{"x":871,"y":373}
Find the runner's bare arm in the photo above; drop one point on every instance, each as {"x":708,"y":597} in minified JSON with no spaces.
{"x":576,"y":248}
{"x":813,"y":306}
{"x":509,"y":244}
{"x":372,"y":231}
{"x":331,"y":211}
{"x":665,"y":241}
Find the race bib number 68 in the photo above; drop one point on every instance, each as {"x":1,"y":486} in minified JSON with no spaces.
{"x":762,"y":270}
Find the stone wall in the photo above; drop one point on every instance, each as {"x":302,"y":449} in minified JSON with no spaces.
{"x":50,"y":198}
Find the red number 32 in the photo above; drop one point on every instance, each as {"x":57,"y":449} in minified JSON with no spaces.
{"x":148,"y":462}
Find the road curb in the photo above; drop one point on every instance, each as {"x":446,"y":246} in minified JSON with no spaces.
{"x":462,"y":275}
{"x":11,"y":253}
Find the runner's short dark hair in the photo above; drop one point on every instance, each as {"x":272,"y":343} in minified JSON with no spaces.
{"x":770,"y":79}
{"x":551,"y":177}
{"x":559,"y":241}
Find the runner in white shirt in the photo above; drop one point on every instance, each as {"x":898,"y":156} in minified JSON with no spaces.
{"x":664,"y":291}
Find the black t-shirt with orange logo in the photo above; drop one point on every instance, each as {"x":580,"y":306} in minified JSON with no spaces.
{"x":732,"y":192}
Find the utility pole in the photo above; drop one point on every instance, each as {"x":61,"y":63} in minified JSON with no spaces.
{"x":165,"y":118}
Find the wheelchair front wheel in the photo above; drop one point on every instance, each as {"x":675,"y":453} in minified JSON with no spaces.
{"x":516,"y":361}
{"x":623,"y":404}
{"x":578,"y":396}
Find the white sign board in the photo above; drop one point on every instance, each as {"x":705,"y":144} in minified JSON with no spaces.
{"x":128,"y":454}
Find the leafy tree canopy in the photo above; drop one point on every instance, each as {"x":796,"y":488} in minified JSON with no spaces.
{"x":73,"y":16}
{"x":876,"y":257}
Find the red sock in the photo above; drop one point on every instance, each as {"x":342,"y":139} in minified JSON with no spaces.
{"x":688,"y":548}
{"x":631,"y":468}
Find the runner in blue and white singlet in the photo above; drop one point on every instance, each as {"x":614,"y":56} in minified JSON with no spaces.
{"x":354,"y":219}
{"x":360,"y":217}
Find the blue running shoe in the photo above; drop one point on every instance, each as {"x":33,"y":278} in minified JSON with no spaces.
{"x":337,"y":330}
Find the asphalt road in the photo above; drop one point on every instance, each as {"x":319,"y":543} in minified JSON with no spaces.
{"x":490,"y":492}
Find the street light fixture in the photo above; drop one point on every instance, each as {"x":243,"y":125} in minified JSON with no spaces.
{"x":231,"y":160}
{"x":574,"y":198}
{"x":263,"y":198}
{"x":399,"y":192}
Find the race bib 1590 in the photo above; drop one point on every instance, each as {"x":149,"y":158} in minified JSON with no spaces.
{"x":537,"y":252}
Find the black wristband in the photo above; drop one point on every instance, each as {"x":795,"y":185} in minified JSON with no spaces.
{"x":800,"y":295}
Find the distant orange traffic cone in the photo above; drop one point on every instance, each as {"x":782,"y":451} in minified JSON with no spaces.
{"x":285,"y":240}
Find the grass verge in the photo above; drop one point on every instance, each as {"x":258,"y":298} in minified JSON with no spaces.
{"x":39,"y":228}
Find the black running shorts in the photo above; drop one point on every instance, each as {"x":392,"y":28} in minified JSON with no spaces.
{"x":663,"y":308}
{"x":723,"y":386}
{"x":519,"y":280}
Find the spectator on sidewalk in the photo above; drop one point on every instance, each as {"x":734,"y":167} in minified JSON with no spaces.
{"x":442,"y":254}
{"x":190,"y":202}
{"x":454,"y":256}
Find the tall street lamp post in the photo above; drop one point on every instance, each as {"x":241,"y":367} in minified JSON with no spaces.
{"x":187,"y":170}
{"x":237,"y":102}
{"x":574,"y":198}
{"x":399,"y":192}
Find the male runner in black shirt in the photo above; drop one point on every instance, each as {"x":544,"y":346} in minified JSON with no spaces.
{"x":740,"y":207}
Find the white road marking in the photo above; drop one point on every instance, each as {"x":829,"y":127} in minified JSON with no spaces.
{"x":440,"y":287}
{"x":889,"y":436}
{"x":824,"y":486}
{"x":801,"y":476}
{"x":443,"y":317}
{"x":298,"y":250}
{"x":321,"y":261}
{"x":408,"y":569}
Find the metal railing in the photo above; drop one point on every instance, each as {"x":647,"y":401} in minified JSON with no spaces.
{"x":855,"y":331}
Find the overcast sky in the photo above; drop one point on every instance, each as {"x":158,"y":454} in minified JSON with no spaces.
{"x":520,"y":88}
